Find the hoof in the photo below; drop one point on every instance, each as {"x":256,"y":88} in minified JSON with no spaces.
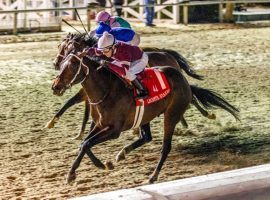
{"x":211,"y":116}
{"x":51,"y":123}
{"x":71,"y":177}
{"x":100,"y":165}
{"x":120,"y":156}
{"x":152,"y":180}
{"x":79,"y":136}
{"x":109,"y":165}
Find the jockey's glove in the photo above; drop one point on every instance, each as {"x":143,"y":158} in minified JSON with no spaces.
{"x":104,"y":63}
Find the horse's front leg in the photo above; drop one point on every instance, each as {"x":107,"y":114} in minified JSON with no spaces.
{"x":145,"y":136}
{"x":77,"y":98}
{"x":72,"y":172}
{"x":85,"y":120}
{"x":105,"y":134}
{"x":99,"y":137}
{"x":90,"y":132}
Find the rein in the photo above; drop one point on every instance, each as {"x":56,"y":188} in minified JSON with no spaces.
{"x":101,"y":100}
{"x":78,"y":71}
{"x":76,"y":75}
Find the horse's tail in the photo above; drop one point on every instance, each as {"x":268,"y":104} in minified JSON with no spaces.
{"x":183,"y":63}
{"x":211,"y":99}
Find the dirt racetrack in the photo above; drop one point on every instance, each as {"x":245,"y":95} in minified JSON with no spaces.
{"x":34,"y":161}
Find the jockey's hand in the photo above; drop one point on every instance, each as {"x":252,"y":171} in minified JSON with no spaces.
{"x":84,"y":52}
{"x":104,"y":63}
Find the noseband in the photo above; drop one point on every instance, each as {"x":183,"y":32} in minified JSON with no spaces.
{"x":78,"y":70}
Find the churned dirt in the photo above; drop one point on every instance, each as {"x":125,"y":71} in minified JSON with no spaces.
{"x":34,"y":161}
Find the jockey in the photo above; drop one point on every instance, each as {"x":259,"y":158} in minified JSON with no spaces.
{"x":128,"y":60}
{"x":120,"y":34}
{"x":116,"y":26}
{"x":112,"y":21}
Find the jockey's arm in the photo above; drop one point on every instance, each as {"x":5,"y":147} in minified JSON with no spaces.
{"x":122,"y":64}
{"x":126,"y":65}
{"x":92,"y":51}
{"x":123,"y":55}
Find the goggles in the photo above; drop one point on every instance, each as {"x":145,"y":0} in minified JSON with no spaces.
{"x":107,"y":49}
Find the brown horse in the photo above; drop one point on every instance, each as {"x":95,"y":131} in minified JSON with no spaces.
{"x":164,"y":57}
{"x":113,"y":107}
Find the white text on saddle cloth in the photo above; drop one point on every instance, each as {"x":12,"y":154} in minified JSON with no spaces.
{"x":156,"y":84}
{"x":156,"y":98}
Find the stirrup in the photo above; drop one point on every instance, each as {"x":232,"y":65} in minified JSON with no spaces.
{"x":142,"y":95}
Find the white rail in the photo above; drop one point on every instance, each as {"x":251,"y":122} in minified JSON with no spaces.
{"x":241,"y":184}
{"x":175,"y":15}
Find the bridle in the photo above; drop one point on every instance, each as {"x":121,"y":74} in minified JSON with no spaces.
{"x":71,"y":83}
{"x":62,"y":53}
{"x":82,"y":64}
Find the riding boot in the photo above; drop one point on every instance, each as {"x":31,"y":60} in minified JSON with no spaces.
{"x":142,"y":91}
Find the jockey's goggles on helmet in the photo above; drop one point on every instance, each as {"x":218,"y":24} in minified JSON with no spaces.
{"x":107,"y":49}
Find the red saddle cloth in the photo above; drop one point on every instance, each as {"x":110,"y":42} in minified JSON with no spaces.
{"x":156,"y":84}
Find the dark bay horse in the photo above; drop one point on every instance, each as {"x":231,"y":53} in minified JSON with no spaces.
{"x":113,"y":107}
{"x":157,"y":57}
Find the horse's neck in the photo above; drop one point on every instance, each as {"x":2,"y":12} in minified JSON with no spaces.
{"x":96,"y":85}
{"x":102,"y":83}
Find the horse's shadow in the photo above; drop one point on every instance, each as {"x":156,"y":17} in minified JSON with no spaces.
{"x":240,"y":140}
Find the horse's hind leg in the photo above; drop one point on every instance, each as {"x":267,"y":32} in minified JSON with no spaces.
{"x":145,"y":136}
{"x":79,"y":97}
{"x":184,"y":122}
{"x":171,"y":117}
{"x":85,"y":120}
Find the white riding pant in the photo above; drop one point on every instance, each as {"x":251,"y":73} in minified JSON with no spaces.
{"x":136,"y":67}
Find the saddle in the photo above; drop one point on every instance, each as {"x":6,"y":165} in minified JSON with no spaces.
{"x":156,"y":83}
{"x":153,"y":80}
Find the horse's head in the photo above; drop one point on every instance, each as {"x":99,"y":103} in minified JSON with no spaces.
{"x":62,"y":49}
{"x":72,"y":44}
{"x":73,"y":71}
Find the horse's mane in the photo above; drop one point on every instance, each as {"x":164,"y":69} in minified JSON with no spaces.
{"x":94,"y":60}
{"x":90,"y":41}
{"x":96,"y":63}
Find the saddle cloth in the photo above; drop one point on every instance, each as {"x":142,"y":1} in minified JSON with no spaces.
{"x":157,"y":85}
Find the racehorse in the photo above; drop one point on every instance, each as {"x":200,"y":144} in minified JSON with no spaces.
{"x":157,"y":57}
{"x":113,"y":107}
